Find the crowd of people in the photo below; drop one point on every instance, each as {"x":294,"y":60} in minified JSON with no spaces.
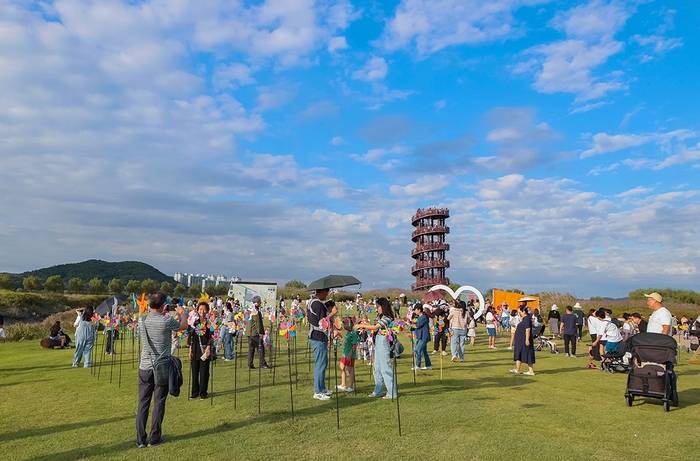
{"x":450,"y":327}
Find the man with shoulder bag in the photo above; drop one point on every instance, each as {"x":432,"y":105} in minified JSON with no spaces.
{"x":154,"y":367}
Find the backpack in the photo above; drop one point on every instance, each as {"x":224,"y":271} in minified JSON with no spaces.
{"x":175,"y":376}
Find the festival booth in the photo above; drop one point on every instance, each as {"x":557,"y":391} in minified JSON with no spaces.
{"x":511,"y":298}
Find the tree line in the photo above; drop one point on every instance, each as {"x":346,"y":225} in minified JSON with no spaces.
{"x":56,"y":284}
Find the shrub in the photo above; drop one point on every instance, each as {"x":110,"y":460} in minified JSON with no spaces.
{"x":25,"y":331}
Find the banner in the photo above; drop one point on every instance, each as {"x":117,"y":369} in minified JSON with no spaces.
{"x":512,"y":300}
{"x":244,"y":292}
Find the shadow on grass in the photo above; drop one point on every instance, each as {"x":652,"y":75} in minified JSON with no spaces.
{"x":26,"y":433}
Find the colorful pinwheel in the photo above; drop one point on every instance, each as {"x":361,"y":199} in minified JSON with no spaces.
{"x":288,"y":330}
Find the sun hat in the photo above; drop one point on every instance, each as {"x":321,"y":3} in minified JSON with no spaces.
{"x":655,"y":296}
{"x":554,"y":307}
{"x":577,"y":306}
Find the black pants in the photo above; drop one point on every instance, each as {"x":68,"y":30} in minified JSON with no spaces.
{"x":570,"y":340}
{"x":109,"y":346}
{"x":147,"y":390}
{"x":580,"y":331}
{"x":440,"y":337}
{"x":255,"y":344}
{"x":200,"y":378}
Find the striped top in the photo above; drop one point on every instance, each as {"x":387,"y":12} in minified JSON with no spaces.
{"x":159,"y":332}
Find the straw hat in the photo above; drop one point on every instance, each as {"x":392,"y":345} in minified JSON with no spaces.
{"x":577,"y":306}
{"x":555,"y":307}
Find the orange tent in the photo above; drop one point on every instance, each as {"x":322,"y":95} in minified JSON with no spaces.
{"x":511,"y":298}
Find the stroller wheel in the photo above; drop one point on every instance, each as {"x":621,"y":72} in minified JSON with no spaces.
{"x":667,"y":405}
{"x":629,"y":398}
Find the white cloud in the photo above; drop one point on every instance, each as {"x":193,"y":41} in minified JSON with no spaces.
{"x":588,"y":107}
{"x":337,"y":43}
{"x":440,"y":104}
{"x":337,"y":141}
{"x":568,"y":65}
{"x":605,"y":143}
{"x":424,"y":186}
{"x":685,"y":156}
{"x":659,"y":45}
{"x":375,"y":69}
{"x":374,"y":155}
{"x":639,"y":190}
{"x":232,"y":75}
{"x":431,"y":25}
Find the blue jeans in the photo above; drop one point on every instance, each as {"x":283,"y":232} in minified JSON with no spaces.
{"x":383,"y":373}
{"x":83,"y":348}
{"x":457,"y":343}
{"x":320,"y":349}
{"x":228,"y":344}
{"x":422,"y":350}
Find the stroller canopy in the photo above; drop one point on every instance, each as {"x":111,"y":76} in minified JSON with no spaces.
{"x":654,"y":347}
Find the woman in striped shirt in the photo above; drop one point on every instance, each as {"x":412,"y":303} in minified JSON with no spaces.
{"x":383,"y":373}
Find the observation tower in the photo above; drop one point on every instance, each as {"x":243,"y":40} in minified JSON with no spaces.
{"x":430,"y":249}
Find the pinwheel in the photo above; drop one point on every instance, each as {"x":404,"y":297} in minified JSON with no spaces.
{"x":338,"y":323}
{"x":267,"y":341}
{"x":325,"y":324}
{"x":288,"y":330}
{"x":142,"y":303}
{"x":200,"y":329}
{"x":182,"y":334}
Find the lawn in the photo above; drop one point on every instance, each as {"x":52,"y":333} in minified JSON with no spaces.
{"x":51,"y":411}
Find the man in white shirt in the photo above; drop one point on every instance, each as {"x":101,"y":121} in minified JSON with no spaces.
{"x":660,"y":319}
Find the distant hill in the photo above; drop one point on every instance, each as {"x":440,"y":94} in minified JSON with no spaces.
{"x":106,"y":271}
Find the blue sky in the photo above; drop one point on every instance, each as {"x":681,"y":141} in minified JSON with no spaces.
{"x":286,"y":139}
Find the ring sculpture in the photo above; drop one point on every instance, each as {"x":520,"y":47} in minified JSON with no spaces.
{"x":460,"y":290}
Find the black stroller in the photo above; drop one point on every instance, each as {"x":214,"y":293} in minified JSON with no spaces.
{"x":619,"y":361}
{"x":652,"y":375}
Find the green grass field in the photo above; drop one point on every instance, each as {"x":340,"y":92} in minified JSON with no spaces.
{"x":51,"y":411}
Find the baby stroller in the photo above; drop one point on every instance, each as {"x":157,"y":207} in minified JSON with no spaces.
{"x":694,"y":336}
{"x":618,"y":361}
{"x":541,"y":341}
{"x":652,"y":375}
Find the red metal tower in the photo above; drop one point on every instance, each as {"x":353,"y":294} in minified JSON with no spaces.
{"x":430,"y":249}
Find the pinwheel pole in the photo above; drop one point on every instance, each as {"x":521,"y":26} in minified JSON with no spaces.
{"x":104,"y":349}
{"x":396,"y":392}
{"x":260,"y":360}
{"x":413,"y":352}
{"x":96,"y":346}
{"x":337,"y":404}
{"x":111,"y":368}
{"x":211,"y":381}
{"x":296,"y":361}
{"x":121,"y":354}
{"x":235,"y":369}
{"x":133,"y":351}
{"x":291,"y":390}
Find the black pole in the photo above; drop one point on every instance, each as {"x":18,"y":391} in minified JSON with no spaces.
{"x":337,"y":405}
{"x":133,"y":352}
{"x":104,"y":348}
{"x":189,"y":381}
{"x":211,"y":386}
{"x":95,"y":346}
{"x":396,"y":393}
{"x":291,"y":390}
{"x":413,"y":353}
{"x":235,"y":370}
{"x":296,"y":364}
{"x":121,"y":354}
{"x":111,"y":348}
{"x":259,"y":374}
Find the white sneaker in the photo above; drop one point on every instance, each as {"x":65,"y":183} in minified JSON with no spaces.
{"x":444,"y":353}
{"x":426,"y":368}
{"x":340,"y":388}
{"x":510,"y":348}
{"x":514,"y":371}
{"x":321,"y":397}
{"x":433,"y":353}
{"x":572,"y":356}
{"x":349,"y":389}
{"x":327,"y":392}
{"x":567,"y":355}
{"x":415,"y":368}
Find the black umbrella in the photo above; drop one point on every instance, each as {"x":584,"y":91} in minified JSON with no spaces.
{"x":333,"y":281}
{"x":106,"y":306}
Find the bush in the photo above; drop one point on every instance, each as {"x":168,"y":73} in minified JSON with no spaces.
{"x":295,"y":284}
{"x":54,"y":284}
{"x":24,"y":331}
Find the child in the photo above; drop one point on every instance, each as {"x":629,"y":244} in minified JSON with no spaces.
{"x":2,"y":328}
{"x":471,"y":332}
{"x":347,"y":361}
